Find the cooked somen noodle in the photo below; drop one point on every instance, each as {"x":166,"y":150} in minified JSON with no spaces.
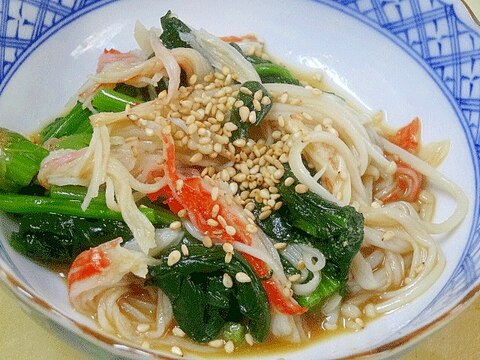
{"x":182,"y":146}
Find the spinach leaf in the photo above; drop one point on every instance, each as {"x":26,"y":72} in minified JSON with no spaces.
{"x":202,"y":305}
{"x":172,"y":27}
{"x":248,"y":100}
{"x":60,"y":238}
{"x":337,"y":231}
{"x":75,"y":122}
{"x":139,"y":93}
{"x":20,"y":160}
{"x":309,"y":219}
{"x":268,"y":71}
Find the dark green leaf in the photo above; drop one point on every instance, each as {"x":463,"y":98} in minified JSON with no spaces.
{"x":268,"y":71}
{"x":172,"y":27}
{"x":112,"y":101}
{"x":273,"y":73}
{"x":19,"y":160}
{"x":75,"y":122}
{"x":141,"y":94}
{"x":247,"y":99}
{"x":201,"y":303}
{"x":60,"y":238}
{"x":327,"y":287}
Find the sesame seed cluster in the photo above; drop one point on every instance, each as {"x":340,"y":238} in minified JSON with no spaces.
{"x":252,"y":167}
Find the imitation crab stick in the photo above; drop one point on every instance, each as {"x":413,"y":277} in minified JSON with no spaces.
{"x":408,"y":181}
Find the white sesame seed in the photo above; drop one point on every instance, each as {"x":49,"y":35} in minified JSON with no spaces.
{"x":227,"y":281}
{"x":307,"y":116}
{"x":228,"y":258}
{"x":215,"y":192}
{"x":229,"y":126}
{"x":280,"y":245}
{"x":265,"y":214}
{"x":227,"y":247}
{"x":182,"y":213}
{"x":212,"y":222}
{"x":256,"y":105}
{"x":143,"y":327}
{"x":218,"y":343}
{"x":222,"y":221}
{"x":133,"y":117}
{"x":246,"y":90}
{"x":250,"y":206}
{"x":294,"y":277}
{"x":179,"y":184}
{"x":266,"y":101}
{"x":176,"y":225}
{"x":192,"y":129}
{"x":178,"y":332}
{"x":215,"y":210}
{"x":252,"y":117}
{"x":300,"y":265}
{"x":204,"y":140}
{"x":176,"y":351}
{"x":238,"y":104}
{"x":149,"y":132}
{"x":244,"y":112}
{"x":301,"y":188}
{"x":230,"y":230}
{"x":229,"y":347}
{"x":241,"y":277}
{"x":185,"y":251}
{"x":173,"y":257}
{"x":251,"y":228}
{"x":220,"y":116}
{"x":197,"y":157}
{"x":284,"y":98}
{"x":249,"y":339}
{"x":258,"y":94}
{"x":289,"y":181}
{"x":162,"y":94}
{"x":192,"y":80}
{"x":233,"y":187}
{"x":239,"y":143}
{"x":207,"y":241}
{"x":217,"y":147}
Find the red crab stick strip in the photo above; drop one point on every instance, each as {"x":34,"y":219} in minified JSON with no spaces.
{"x":408,"y":181}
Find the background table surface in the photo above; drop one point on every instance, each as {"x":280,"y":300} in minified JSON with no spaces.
{"x":22,"y":338}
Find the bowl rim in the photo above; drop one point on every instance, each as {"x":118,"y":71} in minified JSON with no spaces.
{"x":27,"y":296}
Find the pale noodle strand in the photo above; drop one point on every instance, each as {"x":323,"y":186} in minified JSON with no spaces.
{"x":436,"y":179}
{"x":138,"y":223}
{"x":346,"y":130}
{"x":101,"y":145}
{"x":304,"y":175}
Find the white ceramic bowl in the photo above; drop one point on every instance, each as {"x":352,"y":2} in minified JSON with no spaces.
{"x":408,"y":57}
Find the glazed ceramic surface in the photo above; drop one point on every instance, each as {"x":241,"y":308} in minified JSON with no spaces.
{"x":407,"y":57}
